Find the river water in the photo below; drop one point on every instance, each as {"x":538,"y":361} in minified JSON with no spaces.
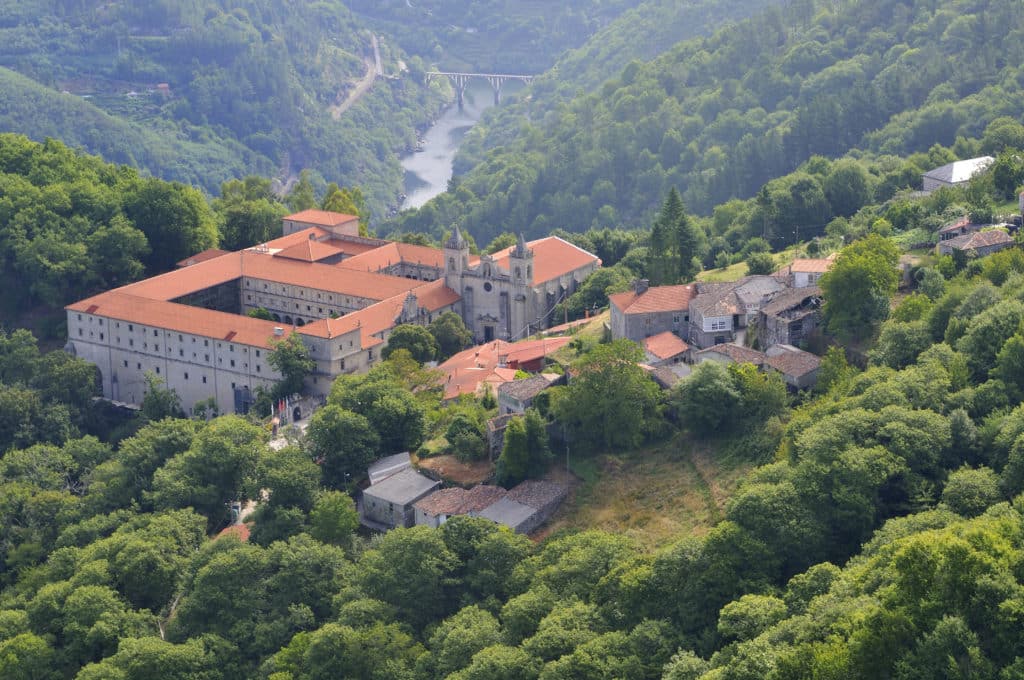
{"x":427,"y":172}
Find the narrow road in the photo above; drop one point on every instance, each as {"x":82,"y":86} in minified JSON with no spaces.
{"x":374,"y":70}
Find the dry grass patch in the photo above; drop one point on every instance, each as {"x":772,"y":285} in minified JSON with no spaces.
{"x":452,"y":470}
{"x":653,"y":495}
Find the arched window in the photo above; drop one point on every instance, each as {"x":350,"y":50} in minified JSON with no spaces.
{"x":451,"y":263}
{"x":519,"y":273}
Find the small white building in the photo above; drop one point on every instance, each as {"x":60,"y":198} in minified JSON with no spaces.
{"x":955,"y":173}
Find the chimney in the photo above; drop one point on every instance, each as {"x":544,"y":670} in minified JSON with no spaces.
{"x":641,"y":286}
{"x":278,"y":331}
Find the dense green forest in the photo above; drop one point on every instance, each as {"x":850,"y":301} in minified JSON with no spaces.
{"x":250,"y":86}
{"x":718,"y":117}
{"x":879,"y":535}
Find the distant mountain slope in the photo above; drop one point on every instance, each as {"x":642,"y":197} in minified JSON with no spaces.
{"x":163,"y":150}
{"x":254,"y":78}
{"x":720,"y":116}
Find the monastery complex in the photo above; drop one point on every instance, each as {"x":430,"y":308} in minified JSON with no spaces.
{"x":342,"y":293}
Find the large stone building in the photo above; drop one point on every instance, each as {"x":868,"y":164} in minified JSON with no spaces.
{"x":342,"y":294}
{"x":511,"y":294}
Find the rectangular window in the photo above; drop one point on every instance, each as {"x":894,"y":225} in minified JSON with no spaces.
{"x":257,"y":368}
{"x":207,"y":356}
{"x":180,"y":338}
{"x":231,"y":348}
{"x":101,"y":336}
{"x":156,"y":348}
{"x":156,"y":333}
{"x":131,"y":327}
{"x":138,"y":367}
{"x":79,"y":317}
{"x":204,"y":379}
{"x":719,"y":325}
{"x":181,"y":352}
{"x":126,"y":363}
{"x":232,"y":363}
{"x":158,"y":370}
{"x":186,"y":375}
{"x":80,"y":333}
{"x":343,"y":364}
{"x":257,"y":353}
{"x":206,"y":343}
{"x":131,"y":343}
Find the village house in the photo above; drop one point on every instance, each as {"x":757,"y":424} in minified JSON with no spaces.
{"x":341,"y":293}
{"x":804,"y":272}
{"x":665,"y":349}
{"x":644,"y":311}
{"x":977,"y":244}
{"x":790,"y":317}
{"x":526,"y":506}
{"x":799,"y":369}
{"x":518,"y":395}
{"x":484,"y":368}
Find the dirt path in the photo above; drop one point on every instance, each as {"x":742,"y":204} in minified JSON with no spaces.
{"x":374,"y":70}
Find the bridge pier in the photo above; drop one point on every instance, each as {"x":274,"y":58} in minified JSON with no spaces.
{"x":460,"y":81}
{"x":496,"y":82}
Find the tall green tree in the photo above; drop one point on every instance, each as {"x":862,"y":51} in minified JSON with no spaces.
{"x":858,"y":286}
{"x":290,"y":357}
{"x":610,"y":402}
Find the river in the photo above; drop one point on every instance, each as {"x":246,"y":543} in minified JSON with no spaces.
{"x":427,"y":172}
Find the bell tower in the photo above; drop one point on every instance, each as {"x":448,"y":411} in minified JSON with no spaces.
{"x":522,"y":315}
{"x":456,"y":259}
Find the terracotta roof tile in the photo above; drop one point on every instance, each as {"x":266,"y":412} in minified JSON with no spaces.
{"x":458,"y":501}
{"x":395,"y":253}
{"x":811,"y":266}
{"x":179,"y":318}
{"x":467,"y":370}
{"x":741,"y":355}
{"x":796,"y":363}
{"x":665,"y":345}
{"x":655,"y":299}
{"x":552,"y":258}
{"x":309,"y":251}
{"x":322,"y":217}
{"x":203,"y":256}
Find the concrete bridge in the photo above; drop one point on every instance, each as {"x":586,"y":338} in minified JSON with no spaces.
{"x":460,"y":80}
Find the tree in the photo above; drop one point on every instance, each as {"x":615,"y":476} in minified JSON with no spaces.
{"x":610,"y":402}
{"x":450,"y":334}
{"x":379,"y":396}
{"x":969,"y":492}
{"x":175,"y":218}
{"x":760,"y":263}
{"x":858,"y":286}
{"x":707,"y":401}
{"x":220,"y":467}
{"x":290,"y":357}
{"x":159,"y":402}
{"x":343,"y":443}
{"x":417,"y":340}
{"x":499,"y":662}
{"x":334,"y":518}
{"x":458,"y":638}
{"x":348,"y":202}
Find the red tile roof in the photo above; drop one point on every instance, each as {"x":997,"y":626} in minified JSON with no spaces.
{"x":458,"y":501}
{"x":552,"y":258}
{"x":239,"y":530}
{"x":794,"y":363}
{"x":205,"y":255}
{"x":811,"y":266}
{"x":322,"y":217}
{"x":179,"y":318}
{"x":656,"y":299}
{"x":665,"y":345}
{"x":467,"y":370}
{"x":740,"y":355}
{"x":309,"y":251}
{"x":395,"y":253}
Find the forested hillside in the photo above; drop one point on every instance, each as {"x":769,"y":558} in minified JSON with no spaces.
{"x":248,"y":89}
{"x":718,"y":117}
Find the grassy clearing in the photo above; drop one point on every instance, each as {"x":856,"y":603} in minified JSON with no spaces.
{"x":653,"y":495}
{"x":590,"y":334}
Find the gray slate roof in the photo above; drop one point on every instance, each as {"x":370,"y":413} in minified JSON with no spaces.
{"x":402,"y":488}
{"x":507,"y":512}
{"x":959,"y":171}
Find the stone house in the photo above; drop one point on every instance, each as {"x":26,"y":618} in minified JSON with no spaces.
{"x":665,"y":349}
{"x":389,"y":503}
{"x":518,"y":395}
{"x":644,"y":311}
{"x":799,"y":369}
{"x":526,"y":506}
{"x":977,"y":244}
{"x":790,"y":317}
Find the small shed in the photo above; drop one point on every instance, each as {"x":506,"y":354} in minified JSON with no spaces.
{"x":516,"y":516}
{"x":518,"y":395}
{"x":665,"y":348}
{"x":390,"y":502}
